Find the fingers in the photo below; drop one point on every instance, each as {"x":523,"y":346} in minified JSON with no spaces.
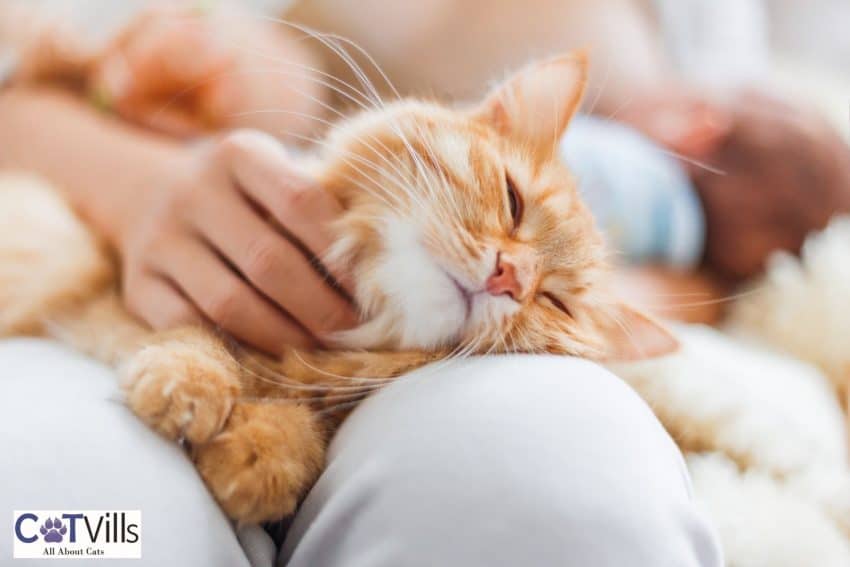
{"x":160,"y":70}
{"x":159,"y":303}
{"x":265,"y":171}
{"x":226,"y":300}
{"x":274,"y":265}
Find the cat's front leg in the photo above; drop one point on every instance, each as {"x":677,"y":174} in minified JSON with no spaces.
{"x":183,"y":384}
{"x":264,"y":461}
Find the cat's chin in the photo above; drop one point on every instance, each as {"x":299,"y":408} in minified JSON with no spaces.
{"x":388,"y":332}
{"x":409,"y":301}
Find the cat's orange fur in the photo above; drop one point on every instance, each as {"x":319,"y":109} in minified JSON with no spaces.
{"x":426,"y":214}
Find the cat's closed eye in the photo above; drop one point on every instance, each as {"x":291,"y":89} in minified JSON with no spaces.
{"x":514,"y":201}
{"x":557,"y":303}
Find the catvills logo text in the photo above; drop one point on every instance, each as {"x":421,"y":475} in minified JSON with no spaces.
{"x":75,"y":534}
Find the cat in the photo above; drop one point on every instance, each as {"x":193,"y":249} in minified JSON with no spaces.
{"x":463,"y":231}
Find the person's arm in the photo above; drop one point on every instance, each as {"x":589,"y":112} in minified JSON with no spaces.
{"x":105,"y":168}
{"x":180,"y":217}
{"x":456,"y":48}
{"x":180,"y":70}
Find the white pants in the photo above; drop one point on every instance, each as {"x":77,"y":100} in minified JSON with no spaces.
{"x":538,"y":461}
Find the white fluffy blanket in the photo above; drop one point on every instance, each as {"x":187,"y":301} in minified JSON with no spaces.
{"x":757,"y":411}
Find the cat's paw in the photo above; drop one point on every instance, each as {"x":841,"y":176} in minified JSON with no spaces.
{"x":181,"y":389}
{"x":263,"y":462}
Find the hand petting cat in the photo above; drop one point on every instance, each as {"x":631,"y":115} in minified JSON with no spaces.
{"x":202,"y":246}
{"x":205,"y":232}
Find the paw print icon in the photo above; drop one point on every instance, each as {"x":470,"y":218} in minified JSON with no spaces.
{"x":53,"y":530}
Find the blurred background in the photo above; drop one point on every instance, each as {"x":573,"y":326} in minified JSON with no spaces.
{"x":799,"y":46}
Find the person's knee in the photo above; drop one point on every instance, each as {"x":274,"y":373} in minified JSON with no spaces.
{"x":79,"y":448}
{"x":543,"y":455}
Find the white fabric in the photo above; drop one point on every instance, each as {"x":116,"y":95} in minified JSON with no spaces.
{"x":68,"y":443}
{"x":772,"y":466}
{"x":543,"y":461}
{"x":497,"y":461}
{"x":717,"y":41}
{"x":814,"y":31}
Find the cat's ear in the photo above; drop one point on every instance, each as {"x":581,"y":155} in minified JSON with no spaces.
{"x":535,"y":105}
{"x":629,"y":335}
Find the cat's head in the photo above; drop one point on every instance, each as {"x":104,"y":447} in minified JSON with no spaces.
{"x":464,"y":229}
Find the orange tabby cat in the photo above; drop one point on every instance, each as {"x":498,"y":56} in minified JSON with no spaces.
{"x":463,"y":231}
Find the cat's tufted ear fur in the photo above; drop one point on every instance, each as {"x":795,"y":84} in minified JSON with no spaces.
{"x":535,"y":105}
{"x":629,"y":335}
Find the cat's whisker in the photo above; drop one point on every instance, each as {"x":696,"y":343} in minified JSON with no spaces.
{"x":404,"y":184}
{"x":692,"y":161}
{"x":502,"y":339}
{"x":365,"y":162}
{"x":466,"y":348}
{"x":285,"y":382}
{"x":622,"y":106}
{"x":400,"y":183}
{"x":402,"y":175}
{"x":715,"y":301}
{"x":308,"y":75}
{"x":336,"y":84}
{"x":371,"y":61}
{"x":349,"y":60}
{"x":313,"y":399}
{"x":308,"y":96}
{"x":332,"y":42}
{"x":367,"y":382}
{"x":338,"y":376}
{"x":360,"y":74}
{"x":438,"y":364}
{"x":421,"y":372}
{"x":601,"y":88}
{"x":618,"y":320}
{"x":403,"y":181}
{"x":323,"y":413}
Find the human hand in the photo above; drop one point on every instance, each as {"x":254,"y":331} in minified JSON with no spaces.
{"x":785,"y":173}
{"x":167,"y":70}
{"x":200,"y":247}
{"x":183,"y":73}
{"x":767,"y":173}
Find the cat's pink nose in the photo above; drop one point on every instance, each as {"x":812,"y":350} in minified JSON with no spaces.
{"x":503,"y":280}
